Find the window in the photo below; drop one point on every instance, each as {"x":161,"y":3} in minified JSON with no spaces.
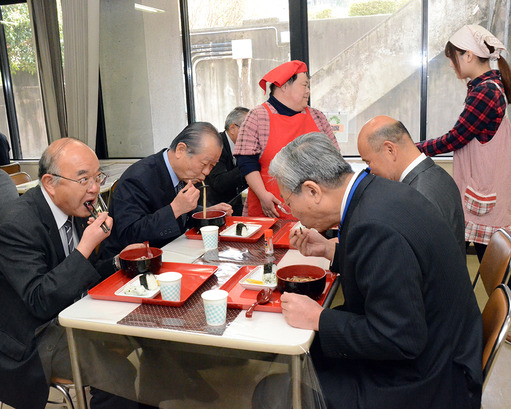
{"x":365,"y":60}
{"x":233,"y":44}
{"x":25,"y":82}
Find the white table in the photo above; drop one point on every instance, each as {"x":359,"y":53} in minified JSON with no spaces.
{"x":266,"y":332}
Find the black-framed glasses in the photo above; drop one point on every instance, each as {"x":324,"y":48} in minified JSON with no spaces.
{"x":86,"y":181}
{"x":283,"y":207}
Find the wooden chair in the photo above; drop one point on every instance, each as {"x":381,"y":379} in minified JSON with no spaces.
{"x":20,"y":177}
{"x":13,"y":167}
{"x":111,"y":192}
{"x":494,"y":268}
{"x":496,"y":318}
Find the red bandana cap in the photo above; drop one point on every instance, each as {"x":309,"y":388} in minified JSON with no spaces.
{"x":281,"y":74}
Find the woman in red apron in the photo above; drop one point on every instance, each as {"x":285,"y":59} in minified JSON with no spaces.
{"x":271,"y":126}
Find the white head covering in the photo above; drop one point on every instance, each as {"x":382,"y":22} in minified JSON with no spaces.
{"x":473,"y":38}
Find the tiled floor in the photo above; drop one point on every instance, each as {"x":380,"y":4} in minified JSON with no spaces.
{"x":497,"y":394}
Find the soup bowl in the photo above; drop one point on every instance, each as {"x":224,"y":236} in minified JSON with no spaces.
{"x":302,"y":279}
{"x":213,"y":218}
{"x":135,"y":261}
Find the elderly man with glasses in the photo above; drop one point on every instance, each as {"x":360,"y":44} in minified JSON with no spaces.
{"x":47,"y":261}
{"x":409,"y":333}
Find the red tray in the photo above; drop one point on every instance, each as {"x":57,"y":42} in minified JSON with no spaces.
{"x":265,"y":222}
{"x":194,"y":275}
{"x":281,"y":239}
{"x":242,"y":298}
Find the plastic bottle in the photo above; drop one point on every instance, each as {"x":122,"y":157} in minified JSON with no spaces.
{"x":268,"y":242}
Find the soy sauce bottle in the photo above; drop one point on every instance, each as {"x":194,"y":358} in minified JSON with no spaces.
{"x":269,"y":267}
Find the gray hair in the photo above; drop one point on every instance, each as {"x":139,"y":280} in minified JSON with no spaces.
{"x":193,"y":135}
{"x":395,"y":132}
{"x":313,"y":157}
{"x":236,"y":116}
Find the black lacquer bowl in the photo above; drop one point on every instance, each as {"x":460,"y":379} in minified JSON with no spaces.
{"x":313,"y":286}
{"x":136,"y":261}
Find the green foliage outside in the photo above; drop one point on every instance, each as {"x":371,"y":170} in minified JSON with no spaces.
{"x":369,"y":8}
{"x":323,"y":14}
{"x":18,"y":35}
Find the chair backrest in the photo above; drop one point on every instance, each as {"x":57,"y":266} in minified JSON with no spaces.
{"x":494,"y":268}
{"x":496,"y":318}
{"x":111,"y":192}
{"x":20,"y":177}
{"x":13,"y":167}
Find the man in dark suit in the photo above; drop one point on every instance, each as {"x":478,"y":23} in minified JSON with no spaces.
{"x":225,"y":180}
{"x":4,"y":150}
{"x":155,"y":197}
{"x":409,"y":334}
{"x":386,"y":146}
{"x":47,"y":261}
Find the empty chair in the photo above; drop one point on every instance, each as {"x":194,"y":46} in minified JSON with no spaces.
{"x":494,"y":268}
{"x":13,"y":167}
{"x":20,"y":177}
{"x":496,"y":317}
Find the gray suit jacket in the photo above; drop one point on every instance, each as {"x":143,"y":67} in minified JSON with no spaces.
{"x":441,"y":190}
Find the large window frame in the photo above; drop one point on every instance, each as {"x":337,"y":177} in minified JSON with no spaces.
{"x":299,"y":49}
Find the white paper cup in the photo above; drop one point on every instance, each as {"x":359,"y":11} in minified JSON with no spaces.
{"x":215,"y":306}
{"x":170,"y":286}
{"x":209,"y":237}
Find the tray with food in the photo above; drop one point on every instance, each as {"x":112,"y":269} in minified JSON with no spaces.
{"x":121,"y":287}
{"x":238,"y":228}
{"x":242,"y":298}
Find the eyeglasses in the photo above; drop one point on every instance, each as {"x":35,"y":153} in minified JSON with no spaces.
{"x":283,"y":207}
{"x":86,"y":181}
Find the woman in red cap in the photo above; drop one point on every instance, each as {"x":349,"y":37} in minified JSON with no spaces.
{"x":271,"y":126}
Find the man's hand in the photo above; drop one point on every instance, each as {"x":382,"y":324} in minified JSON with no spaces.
{"x":224,"y":207}
{"x":186,"y":200}
{"x":310,"y":243}
{"x":301,"y":311}
{"x":93,"y":234}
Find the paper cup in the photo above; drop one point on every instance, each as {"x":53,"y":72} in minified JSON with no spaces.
{"x":209,"y":237}
{"x":170,"y":286}
{"x":215,"y":306}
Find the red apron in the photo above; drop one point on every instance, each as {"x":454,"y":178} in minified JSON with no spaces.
{"x":283,"y":129}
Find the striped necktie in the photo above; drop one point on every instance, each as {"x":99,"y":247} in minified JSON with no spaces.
{"x":68,"y":227}
{"x":180,"y":186}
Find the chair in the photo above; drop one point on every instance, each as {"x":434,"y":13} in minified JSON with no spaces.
{"x":111,"y":192}
{"x":13,"y":167}
{"x":20,"y":177}
{"x":496,"y":318}
{"x":494,"y":268}
{"x":62,"y":386}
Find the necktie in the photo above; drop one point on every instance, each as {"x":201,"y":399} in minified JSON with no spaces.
{"x":68,"y":227}
{"x":180,"y":186}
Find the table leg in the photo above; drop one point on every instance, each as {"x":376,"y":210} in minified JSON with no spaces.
{"x":296,"y":381}
{"x":75,"y":366}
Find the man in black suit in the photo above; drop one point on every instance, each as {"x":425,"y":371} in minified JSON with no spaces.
{"x":386,"y":146}
{"x":4,"y":150}
{"x":225,"y":180}
{"x":155,"y":197}
{"x":409,"y":334}
{"x":47,"y":261}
